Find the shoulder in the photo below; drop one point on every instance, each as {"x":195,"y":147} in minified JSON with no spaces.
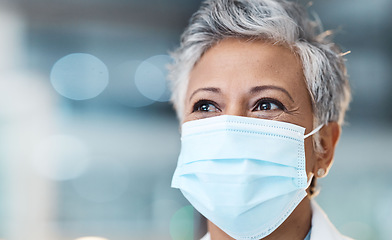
{"x":322,"y":228}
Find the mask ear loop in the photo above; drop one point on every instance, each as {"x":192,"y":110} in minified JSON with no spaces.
{"x":309,"y":181}
{"x":314,"y":131}
{"x":305,"y":136}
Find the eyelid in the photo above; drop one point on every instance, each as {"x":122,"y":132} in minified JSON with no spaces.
{"x":271,"y":100}
{"x":204,"y":101}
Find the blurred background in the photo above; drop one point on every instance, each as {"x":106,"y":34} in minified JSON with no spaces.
{"x":88,"y":141}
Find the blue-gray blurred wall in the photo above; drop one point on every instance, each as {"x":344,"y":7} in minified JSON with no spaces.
{"x":91,"y":152}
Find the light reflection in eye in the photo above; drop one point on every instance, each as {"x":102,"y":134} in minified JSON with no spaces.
{"x":79,"y":76}
{"x":264,"y":106}
{"x":207,"y":107}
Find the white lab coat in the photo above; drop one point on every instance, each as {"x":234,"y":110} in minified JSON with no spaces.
{"x":322,"y":228}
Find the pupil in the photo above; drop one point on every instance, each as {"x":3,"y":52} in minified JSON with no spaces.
{"x":265,"y":106}
{"x":204,"y":107}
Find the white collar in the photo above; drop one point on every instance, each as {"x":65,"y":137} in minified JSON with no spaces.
{"x":322,"y":228}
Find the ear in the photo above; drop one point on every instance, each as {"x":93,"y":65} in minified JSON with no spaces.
{"x":329,"y":136}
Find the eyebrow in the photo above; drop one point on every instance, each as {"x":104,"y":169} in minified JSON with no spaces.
{"x":208,"y":89}
{"x":253,"y":90}
{"x":258,"y":89}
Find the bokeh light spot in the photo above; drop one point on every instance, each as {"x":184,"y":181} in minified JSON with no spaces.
{"x":182,"y":224}
{"x":60,"y":157}
{"x":151,"y":78}
{"x":123,"y":89}
{"x":105,"y":180}
{"x":79,"y":76}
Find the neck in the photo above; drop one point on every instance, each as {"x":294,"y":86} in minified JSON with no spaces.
{"x":295,"y":227}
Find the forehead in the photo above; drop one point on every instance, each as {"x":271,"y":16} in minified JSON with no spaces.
{"x":234,"y":61}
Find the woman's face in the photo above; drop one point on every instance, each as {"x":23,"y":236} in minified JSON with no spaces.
{"x":251,"y":79}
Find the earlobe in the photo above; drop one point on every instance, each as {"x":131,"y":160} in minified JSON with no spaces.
{"x":329,"y":136}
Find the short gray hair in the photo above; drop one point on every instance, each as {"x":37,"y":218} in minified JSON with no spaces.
{"x":276,"y":21}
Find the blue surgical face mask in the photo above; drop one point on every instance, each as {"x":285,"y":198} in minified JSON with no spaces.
{"x":246,"y":175}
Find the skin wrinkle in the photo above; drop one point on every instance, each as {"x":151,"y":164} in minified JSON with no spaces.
{"x":261,"y":88}
{"x":209,"y":89}
{"x":233,"y":68}
{"x":253,"y":91}
{"x":280,"y":23}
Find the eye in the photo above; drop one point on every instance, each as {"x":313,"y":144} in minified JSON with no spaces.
{"x":205,"y":106}
{"x":268,"y":105}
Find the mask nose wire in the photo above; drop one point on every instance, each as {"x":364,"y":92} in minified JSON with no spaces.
{"x":314,"y":131}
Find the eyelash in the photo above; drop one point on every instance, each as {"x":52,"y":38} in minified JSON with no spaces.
{"x":269,"y":100}
{"x":201,"y":102}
